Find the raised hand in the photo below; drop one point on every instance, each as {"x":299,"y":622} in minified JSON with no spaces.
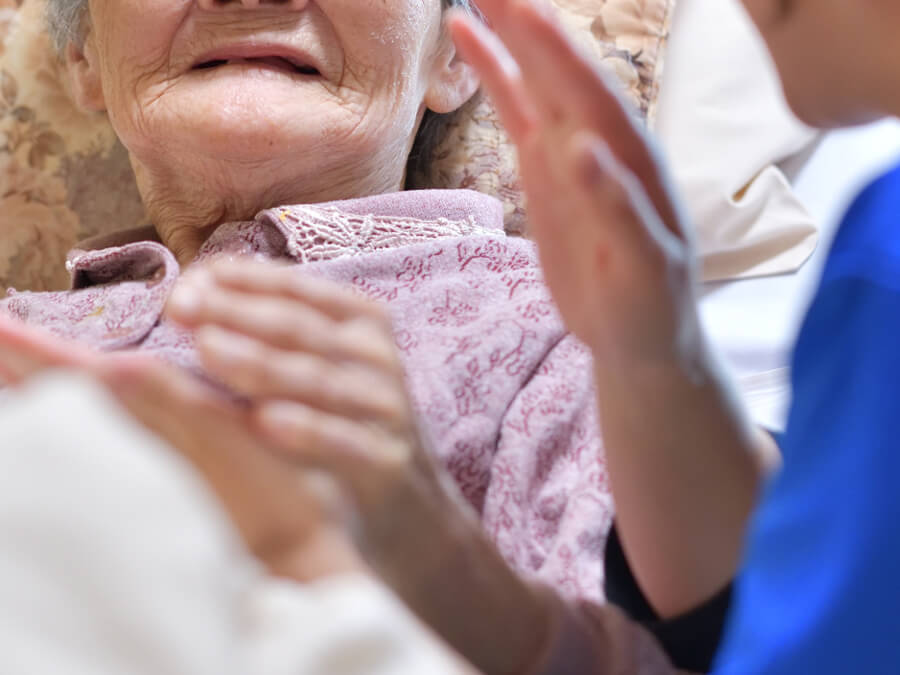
{"x":684,"y":464}
{"x":613,"y":245}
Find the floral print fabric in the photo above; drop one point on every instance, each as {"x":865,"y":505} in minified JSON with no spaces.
{"x":503,"y":394}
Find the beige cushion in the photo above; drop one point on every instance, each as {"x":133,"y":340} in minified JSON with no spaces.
{"x":63,"y":174}
{"x":725,"y":127}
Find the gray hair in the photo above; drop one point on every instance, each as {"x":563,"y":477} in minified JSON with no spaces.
{"x":66,"y":21}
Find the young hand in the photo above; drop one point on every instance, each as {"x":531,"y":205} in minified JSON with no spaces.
{"x":26,"y":352}
{"x":290,"y":519}
{"x":612,"y":242}
{"x":685,"y":465}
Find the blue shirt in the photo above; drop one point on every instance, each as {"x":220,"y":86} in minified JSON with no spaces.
{"x":820,"y":589}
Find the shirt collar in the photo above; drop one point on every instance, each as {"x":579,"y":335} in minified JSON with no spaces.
{"x":306,"y":233}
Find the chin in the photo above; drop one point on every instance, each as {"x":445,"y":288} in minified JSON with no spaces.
{"x":260,"y":121}
{"x":823,"y":103}
{"x":824,"y":112}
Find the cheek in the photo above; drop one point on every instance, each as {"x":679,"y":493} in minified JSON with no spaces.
{"x":387,"y":45}
{"x":134,"y":39}
{"x":824,"y":103}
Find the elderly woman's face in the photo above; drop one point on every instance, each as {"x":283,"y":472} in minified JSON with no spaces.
{"x":325,"y":86}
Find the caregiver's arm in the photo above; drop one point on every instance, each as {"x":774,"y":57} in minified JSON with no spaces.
{"x":684,"y":463}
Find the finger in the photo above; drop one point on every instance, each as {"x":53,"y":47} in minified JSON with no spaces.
{"x":284,"y":323}
{"x":502,"y":80}
{"x":15,"y":367}
{"x":568,"y":85}
{"x":332,"y":299}
{"x":535,"y":37}
{"x":495,"y":11}
{"x":37,"y":344}
{"x":499,"y":73}
{"x":552,"y":222}
{"x":163,"y":398}
{"x":255,"y":370}
{"x":25,"y":351}
{"x":556,"y":71}
{"x":355,"y":454}
{"x":8,"y":376}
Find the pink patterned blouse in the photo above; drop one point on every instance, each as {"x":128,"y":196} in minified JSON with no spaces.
{"x":504,"y":393}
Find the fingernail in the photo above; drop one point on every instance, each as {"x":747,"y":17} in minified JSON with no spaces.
{"x":185,"y":299}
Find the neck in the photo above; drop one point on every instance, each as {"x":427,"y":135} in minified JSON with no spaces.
{"x":893,"y":105}
{"x":186,"y":212}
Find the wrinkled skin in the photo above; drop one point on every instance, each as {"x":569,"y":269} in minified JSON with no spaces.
{"x":216,"y":144}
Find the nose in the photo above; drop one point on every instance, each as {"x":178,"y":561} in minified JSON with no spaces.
{"x":252,"y":4}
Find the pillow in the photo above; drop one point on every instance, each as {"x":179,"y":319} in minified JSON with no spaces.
{"x":728,"y":133}
{"x":64,"y":176}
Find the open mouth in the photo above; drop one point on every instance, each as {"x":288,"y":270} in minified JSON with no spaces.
{"x":273,"y":62}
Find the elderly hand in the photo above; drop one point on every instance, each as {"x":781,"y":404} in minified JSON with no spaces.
{"x":613,"y":246}
{"x":319,"y":367}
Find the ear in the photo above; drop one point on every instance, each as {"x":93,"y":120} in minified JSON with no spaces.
{"x":83,"y":68}
{"x":453,"y":81}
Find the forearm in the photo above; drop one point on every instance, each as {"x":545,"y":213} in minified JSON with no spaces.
{"x":435,"y":556}
{"x":457,"y":583}
{"x":685,"y":467}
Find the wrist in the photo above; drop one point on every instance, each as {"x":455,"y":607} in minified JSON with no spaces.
{"x":684,"y":357}
{"x":666,"y":349}
{"x":324,"y":553}
{"x":438,"y":560}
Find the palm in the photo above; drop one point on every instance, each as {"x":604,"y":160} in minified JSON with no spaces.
{"x":611,"y":241}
